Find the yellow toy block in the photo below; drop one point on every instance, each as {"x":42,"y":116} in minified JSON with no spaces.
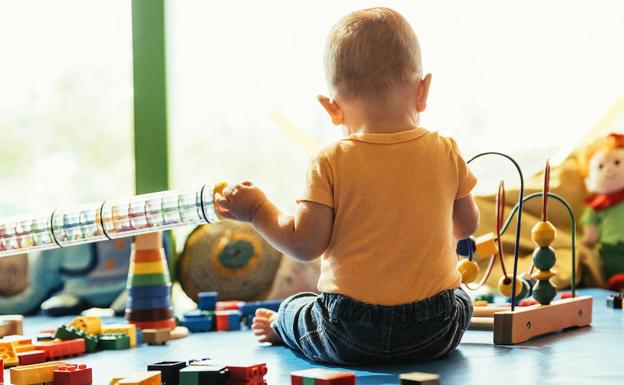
{"x":147,"y":378}
{"x":543,"y":233}
{"x":128,"y":329}
{"x":158,"y":267}
{"x":486,"y":245}
{"x":20,"y":344}
{"x":88,"y":324}
{"x":115,"y":380}
{"x":8,"y":354}
{"x":34,"y":374}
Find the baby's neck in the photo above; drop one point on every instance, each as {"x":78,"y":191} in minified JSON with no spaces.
{"x":383,"y":125}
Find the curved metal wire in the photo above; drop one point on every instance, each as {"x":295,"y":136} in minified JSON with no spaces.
{"x":520,"y":205}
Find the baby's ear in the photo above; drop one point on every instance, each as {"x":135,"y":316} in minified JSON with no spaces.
{"x":422,"y":93}
{"x":332,"y":108}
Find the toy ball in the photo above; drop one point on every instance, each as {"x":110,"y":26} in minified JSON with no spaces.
{"x":468,"y":269}
{"x":505,"y":288}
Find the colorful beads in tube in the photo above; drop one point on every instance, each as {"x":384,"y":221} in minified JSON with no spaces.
{"x":108,"y":220}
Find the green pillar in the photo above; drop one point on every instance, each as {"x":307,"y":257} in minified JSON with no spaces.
{"x":151,"y":139}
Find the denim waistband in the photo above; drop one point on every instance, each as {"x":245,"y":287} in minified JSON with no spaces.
{"x":347,"y":309}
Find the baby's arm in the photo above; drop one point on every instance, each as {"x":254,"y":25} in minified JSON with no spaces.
{"x":304,"y":236}
{"x":465,"y":217}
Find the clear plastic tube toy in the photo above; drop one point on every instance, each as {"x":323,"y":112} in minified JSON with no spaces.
{"x":111,"y":219}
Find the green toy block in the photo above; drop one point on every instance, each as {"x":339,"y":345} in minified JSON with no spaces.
{"x":148,"y":279}
{"x":69,"y":333}
{"x":114,"y":342}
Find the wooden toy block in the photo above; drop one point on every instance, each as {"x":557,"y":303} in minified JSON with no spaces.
{"x":31,"y":357}
{"x":228,"y":320}
{"x":164,"y":324}
{"x":486,"y":246}
{"x":247,"y":373}
{"x":321,"y":377}
{"x":197,"y":325}
{"x":149,"y":291}
{"x":418,"y":378}
{"x":70,"y":333}
{"x":60,"y":349}
{"x":8,"y":355}
{"x":88,"y":324}
{"x":148,"y":315}
{"x":156,"y":336}
{"x":129,"y":329}
{"x":203,"y":375}
{"x":207,"y":300}
{"x":249,"y":308}
{"x":178,"y":332}
{"x":72,"y":374}
{"x":229,"y":305}
{"x":114,"y":342}
{"x":614,"y":301}
{"x":149,"y":279}
{"x":481,"y":323}
{"x":528,"y":322}
{"x":15,"y":324}
{"x":5,"y":329}
{"x":138,"y":303}
{"x":169,"y":371}
{"x":147,"y":378}
{"x":34,"y":374}
{"x":156,"y":267}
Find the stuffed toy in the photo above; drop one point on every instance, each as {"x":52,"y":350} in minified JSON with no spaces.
{"x":603,"y":219}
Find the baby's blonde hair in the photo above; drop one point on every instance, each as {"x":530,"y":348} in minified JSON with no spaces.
{"x":370,"y":52}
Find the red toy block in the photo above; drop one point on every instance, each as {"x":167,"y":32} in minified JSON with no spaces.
{"x":164,"y":324}
{"x":229,"y":305}
{"x":58,"y":349}
{"x":72,"y":374}
{"x":252,"y":374}
{"x":322,"y":377}
{"x":527,"y":302}
{"x":31,"y":357}
{"x":566,"y":295}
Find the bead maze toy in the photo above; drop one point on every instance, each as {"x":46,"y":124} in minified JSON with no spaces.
{"x":518,"y":324}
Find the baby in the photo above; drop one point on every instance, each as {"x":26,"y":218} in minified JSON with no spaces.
{"x":382,"y":208}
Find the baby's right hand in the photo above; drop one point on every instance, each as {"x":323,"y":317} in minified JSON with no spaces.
{"x":240,"y":202}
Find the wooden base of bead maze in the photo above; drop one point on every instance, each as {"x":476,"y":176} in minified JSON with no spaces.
{"x":525,"y":323}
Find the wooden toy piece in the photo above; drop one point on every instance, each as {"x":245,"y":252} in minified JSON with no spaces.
{"x":69,"y":333}
{"x":60,"y":349}
{"x":5,"y":329}
{"x":128,"y":329}
{"x":466,"y":247}
{"x":228,"y":320}
{"x":203,"y":375}
{"x":229,"y":305}
{"x":169,"y":371}
{"x":199,"y":321}
{"x":156,"y":336}
{"x":72,"y":374}
{"x":34,"y":374}
{"x":207,"y":300}
{"x":321,"y":377}
{"x":505,"y":285}
{"x":468,"y":269}
{"x":157,"y":267}
{"x":247,"y":373}
{"x":31,"y":357}
{"x":543,"y":233}
{"x":8,"y":355}
{"x":178,"y":332}
{"x":479,"y":303}
{"x":169,"y":324}
{"x":489,"y":311}
{"x":418,"y":378}
{"x":147,"y":378}
{"x":88,"y":324}
{"x":14,"y":324}
{"x":527,"y":322}
{"x":614,"y":301}
{"x":481,"y":323}
{"x":114,"y":342}
{"x":486,"y":246}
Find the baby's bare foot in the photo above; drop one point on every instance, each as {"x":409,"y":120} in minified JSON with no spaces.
{"x":261,"y":326}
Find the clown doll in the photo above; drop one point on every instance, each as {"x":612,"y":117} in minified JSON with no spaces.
{"x":603,"y":220}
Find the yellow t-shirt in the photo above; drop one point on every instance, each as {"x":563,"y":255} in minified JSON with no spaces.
{"x":392,"y":194}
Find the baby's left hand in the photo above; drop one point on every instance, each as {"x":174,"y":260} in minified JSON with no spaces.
{"x":240,"y":202}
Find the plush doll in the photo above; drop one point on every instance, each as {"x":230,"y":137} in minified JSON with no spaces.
{"x":603,"y":219}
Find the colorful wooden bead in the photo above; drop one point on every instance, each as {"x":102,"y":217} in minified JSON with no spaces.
{"x":486,"y":246}
{"x":544,"y":257}
{"x":544,"y":292}
{"x":468,"y":269}
{"x":505,"y":285}
{"x":543,"y":233}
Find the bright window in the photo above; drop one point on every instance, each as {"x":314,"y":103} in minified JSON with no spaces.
{"x":65,"y":103}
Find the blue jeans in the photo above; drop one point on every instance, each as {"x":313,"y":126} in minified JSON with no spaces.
{"x":335,"y":329}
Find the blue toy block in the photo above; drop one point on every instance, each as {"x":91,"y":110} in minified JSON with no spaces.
{"x":234,"y":321}
{"x":198,"y":324}
{"x":207,"y":300}
{"x":149,"y":291}
{"x":139,"y":336}
{"x":249,"y":308}
{"x":148,"y":303}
